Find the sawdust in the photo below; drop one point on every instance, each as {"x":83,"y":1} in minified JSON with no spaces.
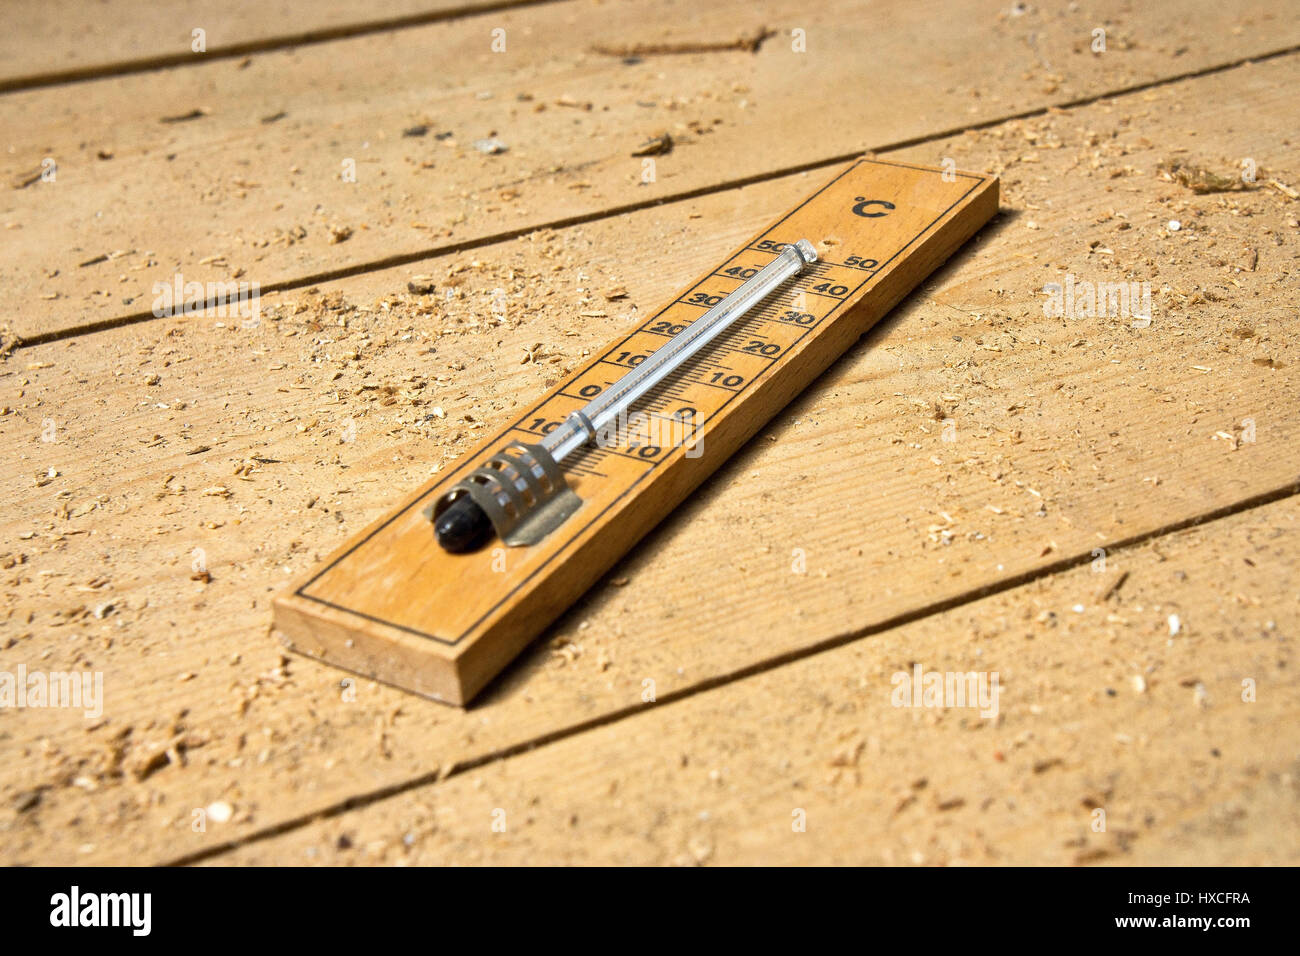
{"x":1199,"y":179}
{"x":750,"y":42}
{"x":660,"y":144}
{"x":420,"y":366}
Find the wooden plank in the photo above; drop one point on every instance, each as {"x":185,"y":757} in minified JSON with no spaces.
{"x":66,"y":40}
{"x":254,"y":187}
{"x":443,"y":625}
{"x":1038,"y":404}
{"x":1160,"y":689}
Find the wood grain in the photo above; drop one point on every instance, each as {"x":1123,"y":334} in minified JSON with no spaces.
{"x":61,"y":41}
{"x":1116,"y":430}
{"x":253,"y":185}
{"x":1171,"y":730}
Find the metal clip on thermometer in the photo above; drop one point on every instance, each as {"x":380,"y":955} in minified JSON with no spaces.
{"x":521,"y":492}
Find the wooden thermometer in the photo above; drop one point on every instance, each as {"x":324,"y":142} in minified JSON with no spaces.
{"x":419,"y":599}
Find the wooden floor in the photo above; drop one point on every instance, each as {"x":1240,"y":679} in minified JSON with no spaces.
{"x":1109,"y":521}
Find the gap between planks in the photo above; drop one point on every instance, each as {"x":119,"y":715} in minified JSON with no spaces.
{"x":434,"y":252}
{"x":1279,"y":474}
{"x":319,"y":35}
{"x":563,"y":164}
{"x":1010,"y":583}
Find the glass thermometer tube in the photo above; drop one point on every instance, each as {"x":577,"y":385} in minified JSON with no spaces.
{"x":464,"y":526}
{"x":583,"y":425}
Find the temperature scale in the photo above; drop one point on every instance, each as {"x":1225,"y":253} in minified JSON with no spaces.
{"x":439,"y":594}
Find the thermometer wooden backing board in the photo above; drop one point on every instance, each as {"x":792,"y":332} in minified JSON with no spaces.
{"x":392,"y":605}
